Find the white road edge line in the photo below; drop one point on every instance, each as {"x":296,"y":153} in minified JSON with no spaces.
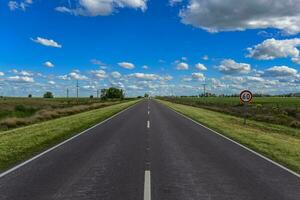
{"x":62,"y":143}
{"x":148,"y":124}
{"x":252,"y":151}
{"x":147,"y":185}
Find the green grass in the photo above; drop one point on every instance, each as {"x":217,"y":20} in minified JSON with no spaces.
{"x":279,"y":143}
{"x":22,"y":143}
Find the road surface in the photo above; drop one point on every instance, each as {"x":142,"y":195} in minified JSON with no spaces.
{"x":149,"y":152}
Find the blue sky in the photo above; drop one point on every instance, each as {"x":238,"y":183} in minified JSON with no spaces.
{"x":157,"y":46}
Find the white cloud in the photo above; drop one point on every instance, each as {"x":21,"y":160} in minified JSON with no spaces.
{"x":182,"y":66}
{"x":126,"y":65}
{"x":232,"y":15}
{"x":21,"y":79}
{"x":145,"y":67}
{"x":77,"y":76}
{"x":13,"y":5}
{"x":88,"y":87}
{"x":64,"y":77}
{"x":21,"y":5}
{"x":205,"y":57}
{"x":116,"y":75}
{"x":98,"y":62}
{"x":102,"y":7}
{"x":117,"y":84}
{"x":25,"y":73}
{"x":134,"y":87}
{"x":255,"y":79}
{"x":187,"y":79}
{"x":198,"y":76}
{"x":201,"y":67}
{"x":2,"y":74}
{"x":22,"y":72}
{"x":47,"y":42}
{"x":101,"y":74}
{"x":184,"y":58}
{"x":175,"y":2}
{"x":51,"y":82}
{"x":145,"y":76}
{"x":166,"y":78}
{"x":272,"y":48}
{"x":48,"y":64}
{"x":229,"y":66}
{"x":216,"y":83}
{"x":280,"y":71}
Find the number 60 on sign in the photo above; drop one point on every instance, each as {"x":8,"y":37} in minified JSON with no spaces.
{"x":246,"y":96}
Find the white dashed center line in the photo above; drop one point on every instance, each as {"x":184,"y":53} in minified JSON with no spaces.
{"x":147,"y":186}
{"x":148,"y":124}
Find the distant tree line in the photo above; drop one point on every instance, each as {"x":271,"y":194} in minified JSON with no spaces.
{"x":237,"y":95}
{"x":110,"y":93}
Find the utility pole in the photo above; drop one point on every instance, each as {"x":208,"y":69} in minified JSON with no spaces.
{"x":77,"y":89}
{"x":204,"y":89}
{"x":67,"y":92}
{"x":98,"y":93}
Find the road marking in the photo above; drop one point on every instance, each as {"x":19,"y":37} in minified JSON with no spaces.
{"x":147,"y":185}
{"x":62,"y":143}
{"x":244,"y":147}
{"x":148,"y":124}
{"x":148,"y":112}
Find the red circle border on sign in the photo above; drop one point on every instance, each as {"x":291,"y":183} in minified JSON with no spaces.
{"x":248,"y":92}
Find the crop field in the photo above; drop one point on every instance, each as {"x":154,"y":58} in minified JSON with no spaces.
{"x":277,"y":110}
{"x":16,"y":112}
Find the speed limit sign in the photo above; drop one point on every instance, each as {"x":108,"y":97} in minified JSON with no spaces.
{"x":246,"y":96}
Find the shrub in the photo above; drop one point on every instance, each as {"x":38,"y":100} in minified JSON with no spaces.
{"x":291,"y":111}
{"x":20,"y":108}
{"x":10,"y":122}
{"x":295,"y":124}
{"x":48,"y":95}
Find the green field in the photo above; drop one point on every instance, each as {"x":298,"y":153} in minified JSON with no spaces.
{"x":276,"y":110}
{"x":17,"y":112}
{"x":279,"y":143}
{"x":22,"y":143}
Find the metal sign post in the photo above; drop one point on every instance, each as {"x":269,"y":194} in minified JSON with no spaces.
{"x":246,"y":97}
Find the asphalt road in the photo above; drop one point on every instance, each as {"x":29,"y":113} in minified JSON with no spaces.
{"x":149,"y":152}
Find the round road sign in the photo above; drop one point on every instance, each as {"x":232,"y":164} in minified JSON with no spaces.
{"x":246,"y":96}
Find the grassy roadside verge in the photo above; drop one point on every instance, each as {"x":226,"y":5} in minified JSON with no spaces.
{"x":279,"y":143}
{"x":22,"y":143}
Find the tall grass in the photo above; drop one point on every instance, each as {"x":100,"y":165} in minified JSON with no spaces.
{"x":277,"y":110}
{"x":24,"y":115}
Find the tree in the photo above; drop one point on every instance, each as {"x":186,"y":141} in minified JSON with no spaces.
{"x":112,"y":93}
{"x":48,"y":95}
{"x":92,"y":96}
{"x":30,"y":96}
{"x":146,"y":95}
